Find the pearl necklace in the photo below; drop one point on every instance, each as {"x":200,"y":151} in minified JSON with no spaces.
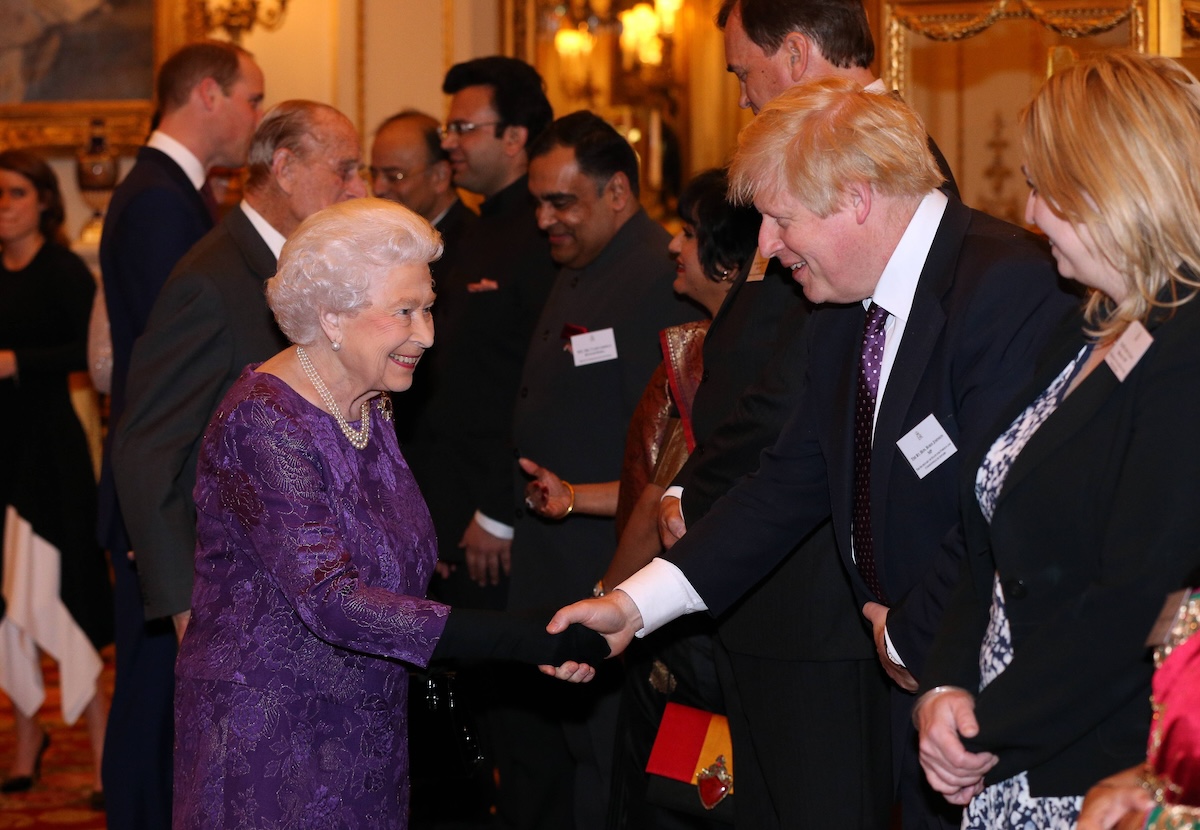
{"x":358,"y":438}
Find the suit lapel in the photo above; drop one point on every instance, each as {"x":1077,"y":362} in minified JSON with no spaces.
{"x":252,"y":246}
{"x":926,"y":321}
{"x":173,"y":171}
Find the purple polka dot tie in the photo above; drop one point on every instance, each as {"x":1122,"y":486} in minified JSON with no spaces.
{"x":869,"y":363}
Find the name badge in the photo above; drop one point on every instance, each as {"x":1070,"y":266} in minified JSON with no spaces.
{"x":926,"y":446}
{"x":759,"y":269}
{"x":1128,"y":350}
{"x":1172,"y":611}
{"x":594,"y":347}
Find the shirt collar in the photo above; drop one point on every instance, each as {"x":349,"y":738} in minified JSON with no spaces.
{"x":442,"y":215}
{"x":192,"y":167}
{"x":875,"y":86}
{"x":898,"y":284}
{"x":266,"y":230}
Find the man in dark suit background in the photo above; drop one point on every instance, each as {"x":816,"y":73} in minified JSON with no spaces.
{"x":209,"y":97}
{"x":967,"y":303}
{"x":572,"y":415}
{"x":487,"y":304}
{"x":409,"y":166}
{"x":211,"y":320}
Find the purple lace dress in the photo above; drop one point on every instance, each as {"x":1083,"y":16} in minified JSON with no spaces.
{"x":312,"y":559}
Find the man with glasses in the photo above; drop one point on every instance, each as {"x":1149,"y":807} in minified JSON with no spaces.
{"x":409,"y":166}
{"x":487,"y":305}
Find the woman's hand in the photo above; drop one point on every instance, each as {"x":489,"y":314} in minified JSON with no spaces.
{"x":942,"y":716}
{"x":1118,"y":801}
{"x":547,"y":495}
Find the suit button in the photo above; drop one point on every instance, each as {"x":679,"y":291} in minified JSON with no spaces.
{"x":1015,"y":589}
{"x":524,"y":391}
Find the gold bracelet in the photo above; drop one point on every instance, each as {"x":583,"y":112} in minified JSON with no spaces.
{"x":571,"y":506}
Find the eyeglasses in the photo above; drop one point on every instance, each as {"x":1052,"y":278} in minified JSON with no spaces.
{"x":393,"y":175}
{"x":347,"y":171}
{"x":461,"y":128}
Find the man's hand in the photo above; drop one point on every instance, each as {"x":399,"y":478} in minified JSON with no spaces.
{"x":615,"y":616}
{"x":181,"y":621}
{"x":8,"y":363}
{"x":670,"y":521}
{"x":487,"y":556}
{"x":877,"y":614}
{"x":942,"y":716}
{"x":1118,"y":801}
{"x":570,"y":672}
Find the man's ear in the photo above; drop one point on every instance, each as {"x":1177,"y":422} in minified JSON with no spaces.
{"x":515,"y":139}
{"x":860,"y":197}
{"x":208,"y":92}
{"x":797,"y":48}
{"x":440,"y":174}
{"x":618,"y":191}
{"x":285,"y":166}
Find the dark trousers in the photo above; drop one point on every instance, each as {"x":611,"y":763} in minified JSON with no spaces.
{"x":555,"y":751}
{"x":139,"y":743}
{"x":811,"y":742}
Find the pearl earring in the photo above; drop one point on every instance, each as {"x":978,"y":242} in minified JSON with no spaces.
{"x":336,"y":345}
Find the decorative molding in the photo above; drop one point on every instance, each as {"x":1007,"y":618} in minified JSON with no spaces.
{"x":956,"y":21}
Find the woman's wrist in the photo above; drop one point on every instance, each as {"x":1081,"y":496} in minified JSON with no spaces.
{"x":936,"y":691}
{"x":571,"y":506}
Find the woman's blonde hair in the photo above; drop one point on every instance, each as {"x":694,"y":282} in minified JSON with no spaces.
{"x":1112,"y":143}
{"x":816,"y":139}
{"x":330,"y":260}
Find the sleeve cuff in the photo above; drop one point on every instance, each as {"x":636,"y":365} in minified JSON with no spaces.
{"x":661,"y":593}
{"x":497,"y":529}
{"x":892,"y":654}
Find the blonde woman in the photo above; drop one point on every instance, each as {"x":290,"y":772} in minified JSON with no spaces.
{"x":1083,"y":515}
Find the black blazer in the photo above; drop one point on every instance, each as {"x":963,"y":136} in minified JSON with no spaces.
{"x":1096,"y":522}
{"x":210,"y":320}
{"x":155,"y":216}
{"x":987,"y":300}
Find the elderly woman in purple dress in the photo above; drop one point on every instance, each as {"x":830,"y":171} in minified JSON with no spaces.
{"x":314,"y":549}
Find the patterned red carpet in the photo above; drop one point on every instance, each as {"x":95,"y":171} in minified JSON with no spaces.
{"x":60,"y":798}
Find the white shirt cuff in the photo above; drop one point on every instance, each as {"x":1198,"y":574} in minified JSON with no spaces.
{"x":893,"y":655}
{"x":661,"y":594}
{"x":498,"y":529}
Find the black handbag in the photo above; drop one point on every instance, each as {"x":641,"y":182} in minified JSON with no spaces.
{"x":442,"y":737}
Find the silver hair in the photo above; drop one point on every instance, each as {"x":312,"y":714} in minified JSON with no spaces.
{"x":329,"y":262}
{"x":284,"y":127}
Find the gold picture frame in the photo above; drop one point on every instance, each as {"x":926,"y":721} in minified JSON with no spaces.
{"x":62,"y":126}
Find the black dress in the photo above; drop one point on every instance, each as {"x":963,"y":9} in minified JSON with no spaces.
{"x":46,"y":475}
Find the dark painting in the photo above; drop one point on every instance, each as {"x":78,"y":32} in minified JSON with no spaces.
{"x":76,"y":50}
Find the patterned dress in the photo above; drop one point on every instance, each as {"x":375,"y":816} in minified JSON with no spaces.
{"x":312,"y":559}
{"x":1008,"y":804}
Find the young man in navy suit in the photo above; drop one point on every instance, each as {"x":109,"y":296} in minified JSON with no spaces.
{"x":209,"y":97}
{"x":966,"y":304}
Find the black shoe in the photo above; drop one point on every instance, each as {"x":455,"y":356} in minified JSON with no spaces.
{"x":24,"y":783}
